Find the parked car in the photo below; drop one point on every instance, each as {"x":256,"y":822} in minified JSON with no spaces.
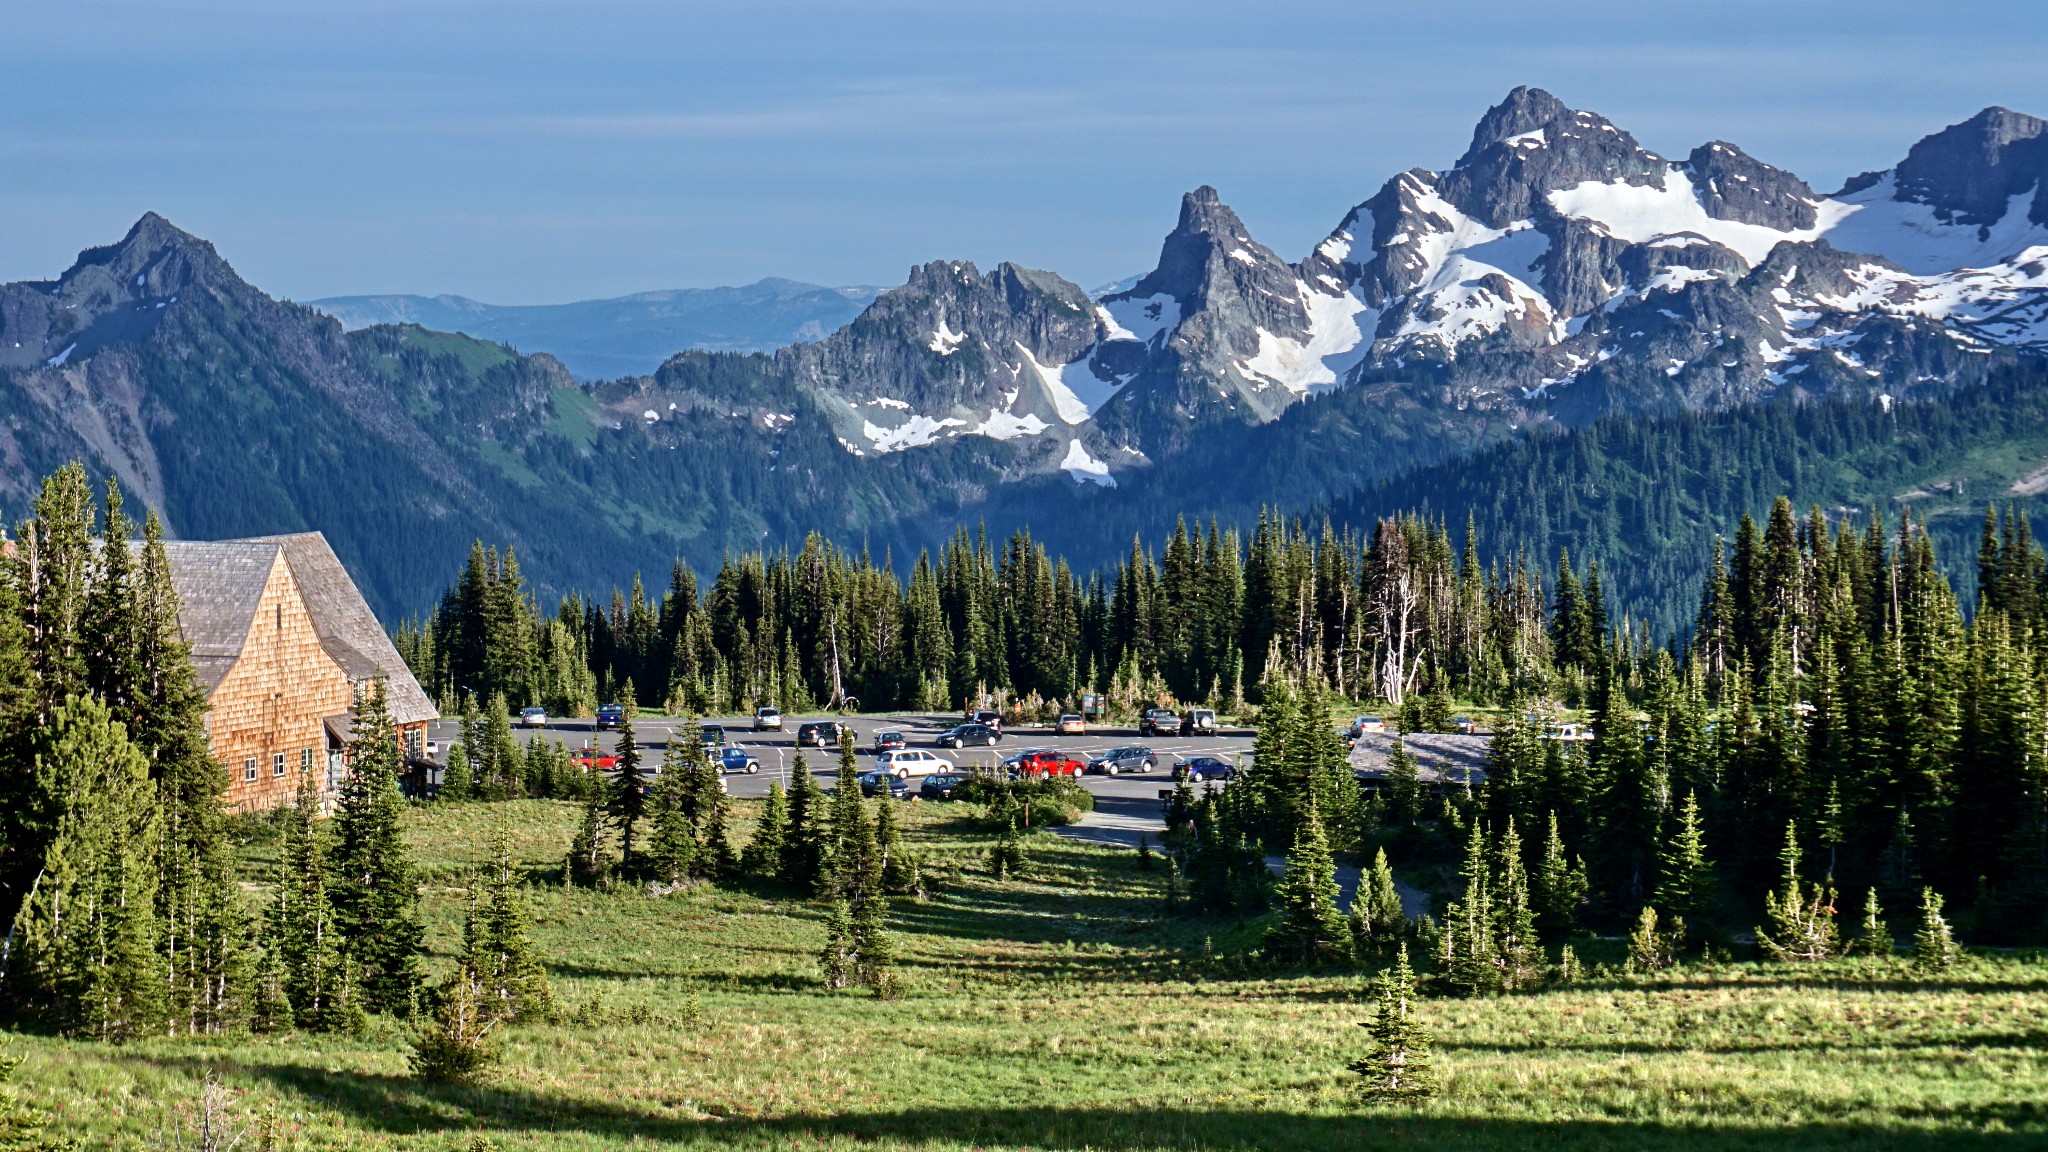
{"x":1050,"y":762}
{"x":735,"y":759}
{"x":818,"y":734}
{"x":610,"y":716}
{"x":594,"y":760}
{"x":1071,"y":724}
{"x":969,"y":735}
{"x":1366,"y":724}
{"x":1116,"y":761}
{"x":1463,"y":725}
{"x":1198,"y":722}
{"x":941,"y":785}
{"x":434,"y":749}
{"x":767,"y":720}
{"x":987,"y":717}
{"x":533,"y":717}
{"x":890,"y":741}
{"x":911,"y":762}
{"x":1158,"y":722}
{"x":712,"y":736}
{"x":1203,"y":768}
{"x":883,"y":784}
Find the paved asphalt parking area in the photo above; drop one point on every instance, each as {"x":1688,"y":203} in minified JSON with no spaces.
{"x":1127,"y":802}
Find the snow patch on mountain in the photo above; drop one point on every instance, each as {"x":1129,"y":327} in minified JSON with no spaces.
{"x":1077,"y":392}
{"x":1340,"y":334}
{"x":1912,"y":236}
{"x":916,"y":432}
{"x":1640,"y":215}
{"x":1081,"y":466}
{"x":1140,"y":320}
{"x":945,"y":341}
{"x":1004,"y":425}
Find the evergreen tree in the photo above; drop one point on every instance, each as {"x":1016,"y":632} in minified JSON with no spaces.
{"x":900,"y":867}
{"x":496,"y":947}
{"x":456,"y":782}
{"x":806,"y":847}
{"x":1398,"y":1066}
{"x":1800,"y":918}
{"x":763,"y":855}
{"x":375,"y":890}
{"x":1875,"y":939}
{"x":1685,"y":887}
{"x":1651,"y":950}
{"x":302,"y":944}
{"x":1934,"y":947}
{"x":1376,"y":910}
{"x":839,"y":959}
{"x":1468,"y":958}
{"x":1518,"y":951}
{"x":1559,"y":886}
{"x":672,"y":846}
{"x":1404,"y":784}
{"x":627,"y":801}
{"x":590,"y":862}
{"x":1310,"y":932}
{"x":84,"y":939}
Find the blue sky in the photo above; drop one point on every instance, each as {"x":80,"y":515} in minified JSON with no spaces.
{"x":525,"y":152}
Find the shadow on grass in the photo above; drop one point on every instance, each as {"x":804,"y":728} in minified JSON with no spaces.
{"x":403,"y":1106}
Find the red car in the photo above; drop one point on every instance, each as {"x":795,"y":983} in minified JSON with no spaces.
{"x":1050,"y":762}
{"x":592,"y":758}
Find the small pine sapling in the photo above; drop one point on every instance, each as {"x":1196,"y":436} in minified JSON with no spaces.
{"x":1934,"y":946}
{"x":1398,"y":1065}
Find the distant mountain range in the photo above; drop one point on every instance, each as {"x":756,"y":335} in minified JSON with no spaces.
{"x":626,"y":335}
{"x":1558,"y":275}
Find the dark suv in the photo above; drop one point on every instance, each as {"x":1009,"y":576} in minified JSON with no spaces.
{"x":819,"y":734}
{"x":610,"y":716}
{"x":1159,"y":722}
{"x":1119,"y":760}
{"x":968,"y":734}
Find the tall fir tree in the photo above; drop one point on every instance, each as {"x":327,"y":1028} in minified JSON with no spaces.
{"x":376,"y":890}
{"x":1310,"y":932}
{"x":84,"y":941}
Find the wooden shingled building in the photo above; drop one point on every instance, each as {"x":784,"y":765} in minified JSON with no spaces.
{"x":282,"y":640}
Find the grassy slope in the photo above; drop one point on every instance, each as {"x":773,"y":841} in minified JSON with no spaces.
{"x":1058,"y":1013}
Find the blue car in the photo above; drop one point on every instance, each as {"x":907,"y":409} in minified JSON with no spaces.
{"x":735,"y":759}
{"x":1204,"y":768}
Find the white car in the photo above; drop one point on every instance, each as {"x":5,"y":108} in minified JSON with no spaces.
{"x":767,"y":719}
{"x":903,"y":763}
{"x":533,"y":717}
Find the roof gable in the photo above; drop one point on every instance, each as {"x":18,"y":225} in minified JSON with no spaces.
{"x":220,"y":582}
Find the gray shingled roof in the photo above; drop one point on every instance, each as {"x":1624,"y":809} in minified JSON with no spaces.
{"x":1440,"y":758}
{"x":220,"y":581}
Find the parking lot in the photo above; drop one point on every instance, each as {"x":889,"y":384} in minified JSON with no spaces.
{"x":1118,"y":799}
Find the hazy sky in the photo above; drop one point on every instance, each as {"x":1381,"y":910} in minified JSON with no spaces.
{"x":525,"y":152}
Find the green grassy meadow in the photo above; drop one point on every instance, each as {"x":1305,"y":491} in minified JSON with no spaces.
{"x":1062,"y":1011}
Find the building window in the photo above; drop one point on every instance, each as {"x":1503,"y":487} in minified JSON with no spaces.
{"x":277,"y":764}
{"x":413,"y":742}
{"x":249,"y":768}
{"x":305,"y":759}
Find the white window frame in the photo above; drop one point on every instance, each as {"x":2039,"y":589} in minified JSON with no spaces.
{"x":248,"y":768}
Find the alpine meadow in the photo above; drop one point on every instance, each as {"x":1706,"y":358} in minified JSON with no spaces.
{"x":1562,"y":664}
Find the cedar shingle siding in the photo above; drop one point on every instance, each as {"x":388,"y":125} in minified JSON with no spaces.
{"x":280,"y":638}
